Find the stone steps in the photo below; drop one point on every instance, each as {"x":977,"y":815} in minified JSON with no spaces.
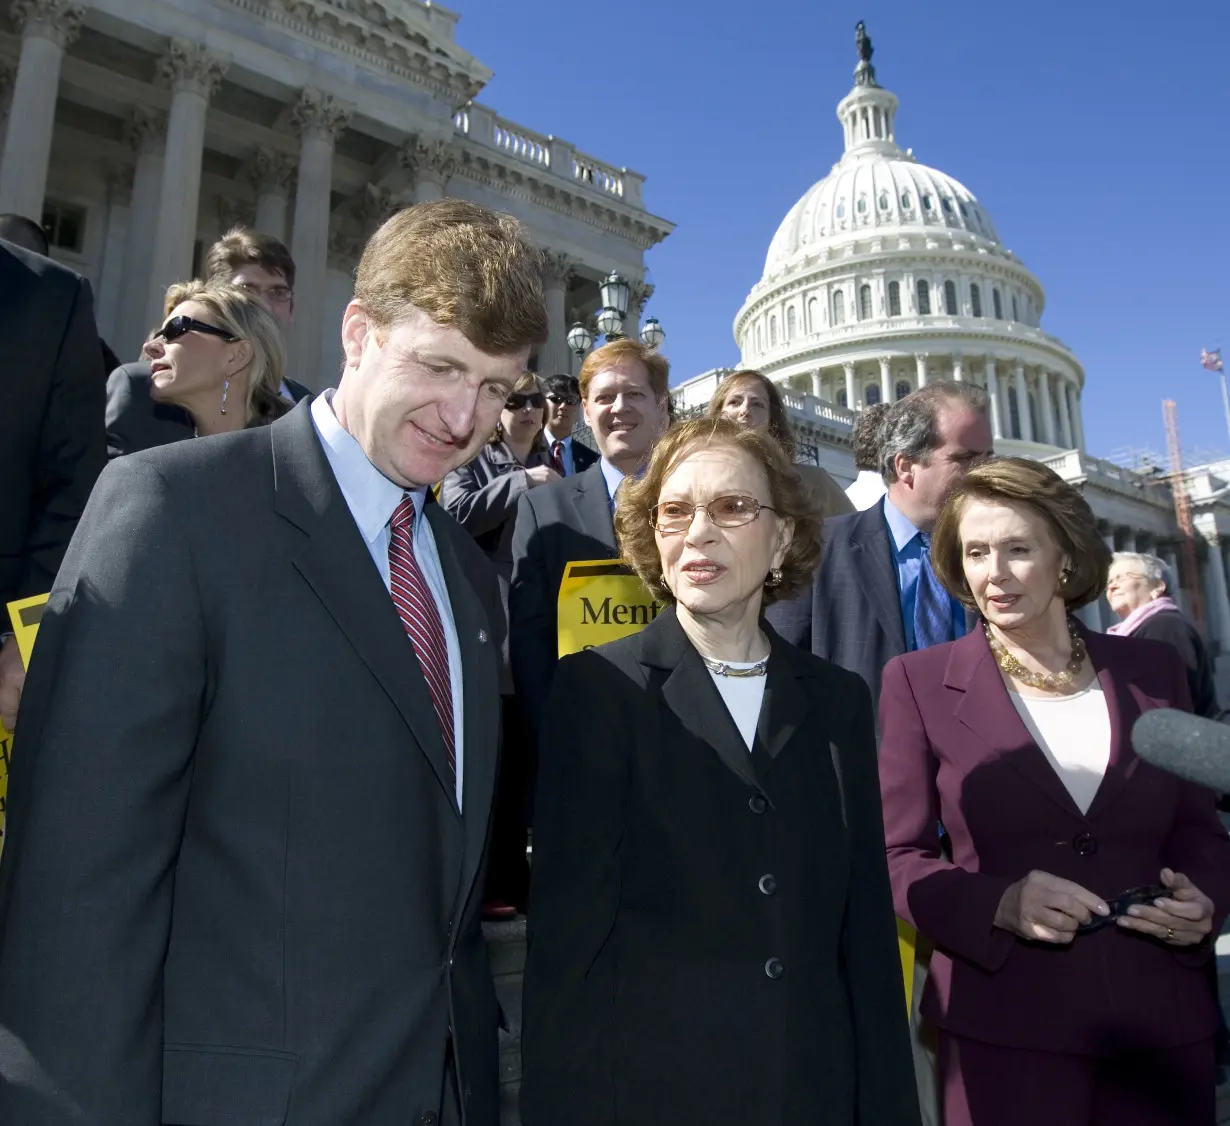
{"x":506,"y":943}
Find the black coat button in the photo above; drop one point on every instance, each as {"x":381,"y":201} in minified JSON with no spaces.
{"x":768,"y":884}
{"x":773,"y":968}
{"x":1086,"y":844}
{"x":757,"y":803}
{"x":429,"y":1118}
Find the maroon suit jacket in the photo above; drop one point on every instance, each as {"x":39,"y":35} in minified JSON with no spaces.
{"x":954,"y":750}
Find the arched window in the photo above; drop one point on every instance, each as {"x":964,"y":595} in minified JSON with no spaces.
{"x":975,"y":300}
{"x":791,"y":323}
{"x":861,"y":206}
{"x":999,"y":305}
{"x":772,"y":331}
{"x":894,"y":299}
{"x":840,"y":210}
{"x":947,"y":205}
{"x":813,"y":315}
{"x":864,"y":302}
{"x":1014,"y":412}
{"x":902,"y":389}
{"x":926,"y":202}
{"x":871,"y":394}
{"x":924,"y":296}
{"x":841,"y":397}
{"x":839,"y":307}
{"x":1014,"y":315}
{"x":906,"y":201}
{"x":950,"y":299}
{"x":884,"y":201}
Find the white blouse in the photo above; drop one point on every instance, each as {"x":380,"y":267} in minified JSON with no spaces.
{"x":743,"y":696}
{"x":1074,"y":734}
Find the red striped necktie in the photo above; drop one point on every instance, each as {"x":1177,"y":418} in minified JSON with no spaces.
{"x":421,"y":618}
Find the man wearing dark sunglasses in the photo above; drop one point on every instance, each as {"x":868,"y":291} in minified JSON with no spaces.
{"x":563,"y":394}
{"x":256,"y":262}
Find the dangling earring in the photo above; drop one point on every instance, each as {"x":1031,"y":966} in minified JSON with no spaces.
{"x":226,"y":386}
{"x":774,"y":579}
{"x":665,"y":584}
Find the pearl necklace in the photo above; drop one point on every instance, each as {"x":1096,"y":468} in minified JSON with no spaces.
{"x":1060,"y":682}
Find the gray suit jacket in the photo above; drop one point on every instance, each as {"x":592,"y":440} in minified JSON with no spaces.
{"x":564,"y":522}
{"x":266,"y":903}
{"x":51,"y":417}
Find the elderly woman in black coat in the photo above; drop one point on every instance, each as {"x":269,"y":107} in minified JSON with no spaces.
{"x":711,"y":936}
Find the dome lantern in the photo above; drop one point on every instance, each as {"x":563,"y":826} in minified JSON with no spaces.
{"x":867,"y":112}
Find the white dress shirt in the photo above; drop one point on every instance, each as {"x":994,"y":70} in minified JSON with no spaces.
{"x":1074,"y":734}
{"x":372,"y":499}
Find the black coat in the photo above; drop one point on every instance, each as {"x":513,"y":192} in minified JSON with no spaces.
{"x":563,"y":522}
{"x":135,"y":422}
{"x":851,"y":614}
{"x":1173,"y":628}
{"x":51,"y":417}
{"x":236,"y":886}
{"x":711,"y":934}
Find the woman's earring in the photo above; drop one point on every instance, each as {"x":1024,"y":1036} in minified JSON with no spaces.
{"x":226,"y":386}
{"x":1065,"y":574}
{"x":774,"y":579}
{"x":665,"y":584}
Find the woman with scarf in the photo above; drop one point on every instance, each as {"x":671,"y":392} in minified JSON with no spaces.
{"x":1138,"y":590}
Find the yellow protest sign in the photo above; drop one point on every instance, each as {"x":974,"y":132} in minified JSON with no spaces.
{"x":25,"y":615}
{"x":906,"y":936}
{"x":601,"y":600}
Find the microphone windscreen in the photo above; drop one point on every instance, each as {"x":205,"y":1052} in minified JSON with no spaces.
{"x":1195,"y":749}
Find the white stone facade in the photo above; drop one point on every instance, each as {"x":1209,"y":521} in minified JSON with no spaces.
{"x":887,"y":274}
{"x":142,"y":129}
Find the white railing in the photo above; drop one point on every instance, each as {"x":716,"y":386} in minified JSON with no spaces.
{"x":814,"y":409}
{"x":531,"y":147}
{"x":597,"y":175}
{"x":461,"y":119}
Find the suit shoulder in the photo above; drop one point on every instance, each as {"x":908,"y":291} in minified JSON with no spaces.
{"x":44,"y":271}
{"x":1140,"y":656}
{"x":202,"y":463}
{"x":609,"y":663}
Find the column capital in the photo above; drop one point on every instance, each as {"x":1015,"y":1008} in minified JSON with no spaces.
{"x":638,"y":293}
{"x":191,"y":67}
{"x":268,"y":170}
{"x":920,"y":357}
{"x":429,"y":160}
{"x":557,"y":268}
{"x":146,"y":130}
{"x":371,"y":206}
{"x":885,"y":362}
{"x":56,"y":20}
{"x":119,"y":184}
{"x":317,"y":114}
{"x":848,"y":367}
{"x":234,"y":213}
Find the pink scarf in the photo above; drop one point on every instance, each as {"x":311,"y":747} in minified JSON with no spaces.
{"x":1142,"y":614}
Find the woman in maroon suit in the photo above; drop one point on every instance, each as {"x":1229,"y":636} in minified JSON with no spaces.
{"x":1060,"y":996}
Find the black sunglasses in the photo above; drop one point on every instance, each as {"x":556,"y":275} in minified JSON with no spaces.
{"x":531,"y":401}
{"x":181,"y":326}
{"x":566,"y":400}
{"x":1134,"y":897}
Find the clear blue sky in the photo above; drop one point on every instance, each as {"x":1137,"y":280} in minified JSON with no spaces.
{"x":1094,"y":133}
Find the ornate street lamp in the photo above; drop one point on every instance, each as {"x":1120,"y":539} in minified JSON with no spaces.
{"x":580,"y":339}
{"x":652,"y":333}
{"x":611,"y":323}
{"x":614,"y":290}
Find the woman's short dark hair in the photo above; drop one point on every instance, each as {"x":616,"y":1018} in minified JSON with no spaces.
{"x":779,"y":420}
{"x":790,"y":499}
{"x":1021,"y":481}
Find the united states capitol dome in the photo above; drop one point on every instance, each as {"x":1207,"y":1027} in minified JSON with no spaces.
{"x":888,"y":274}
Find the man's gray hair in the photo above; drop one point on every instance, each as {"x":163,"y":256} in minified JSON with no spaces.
{"x":912,"y":427}
{"x":1154,"y":569}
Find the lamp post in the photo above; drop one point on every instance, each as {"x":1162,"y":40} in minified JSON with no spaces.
{"x":614,"y":291}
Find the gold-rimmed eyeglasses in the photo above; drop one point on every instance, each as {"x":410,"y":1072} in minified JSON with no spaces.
{"x":673,"y":516}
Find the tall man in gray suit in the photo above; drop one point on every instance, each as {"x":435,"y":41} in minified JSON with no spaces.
{"x":624,"y":393}
{"x":258,"y":743}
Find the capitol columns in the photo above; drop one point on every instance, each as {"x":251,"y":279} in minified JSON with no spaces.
{"x":1045,"y":407}
{"x":1217,"y":598}
{"x":271,"y":174}
{"x":431,"y":165}
{"x":1065,"y":419}
{"x":554,"y":357}
{"x":958,"y":369}
{"x":886,"y":379}
{"x":920,"y":368}
{"x":47,"y":28}
{"x":817,"y":384}
{"x":320,"y":120}
{"x":851,"y":389}
{"x":1023,"y":412}
{"x":992,"y":380}
{"x":111,"y":276}
{"x":194,"y":74}
{"x":1078,"y":426}
{"x":145,"y":133}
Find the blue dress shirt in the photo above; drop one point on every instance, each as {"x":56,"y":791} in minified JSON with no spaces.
{"x":907,"y":557}
{"x":372,"y":499}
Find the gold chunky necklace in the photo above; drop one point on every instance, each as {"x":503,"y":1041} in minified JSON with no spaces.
{"x":1048,"y":682}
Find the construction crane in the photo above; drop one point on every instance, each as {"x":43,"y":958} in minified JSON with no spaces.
{"x":1188,"y":566}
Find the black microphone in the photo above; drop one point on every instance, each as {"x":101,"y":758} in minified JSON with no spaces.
{"x":1196,"y":750}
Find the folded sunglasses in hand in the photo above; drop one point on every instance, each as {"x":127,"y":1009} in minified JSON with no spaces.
{"x":1134,"y":897}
